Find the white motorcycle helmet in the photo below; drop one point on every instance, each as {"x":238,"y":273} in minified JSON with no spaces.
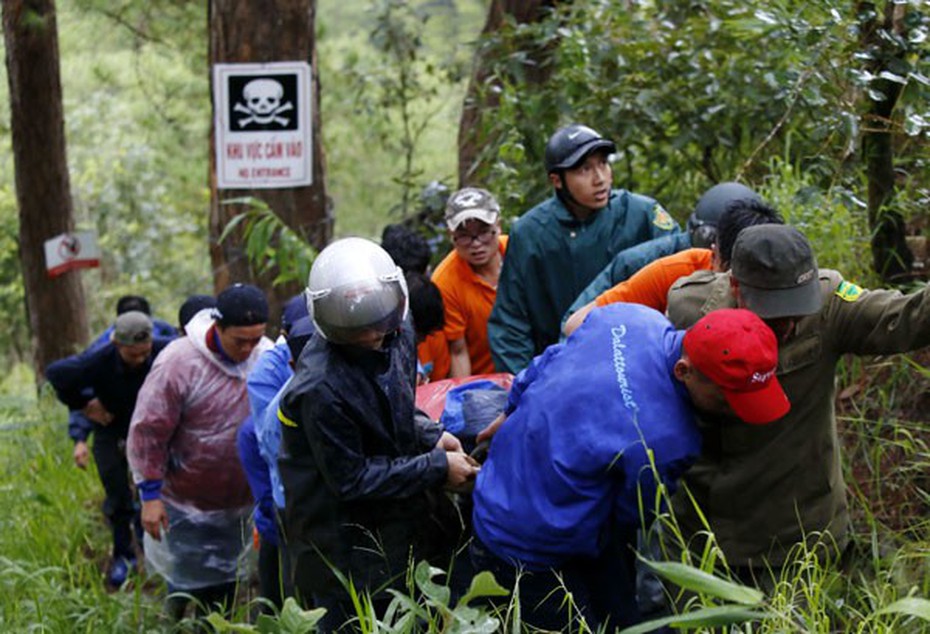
{"x":355,"y":286}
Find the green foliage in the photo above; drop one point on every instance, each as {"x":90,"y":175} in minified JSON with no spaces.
{"x":290,"y":620}
{"x":696,"y":580}
{"x":398,"y":88}
{"x":269,"y":243}
{"x":53,"y":543}
{"x":702,"y":618}
{"x":696,"y":93}
{"x":14,"y":331}
{"x":460,"y":618}
{"x":390,"y":126}
{"x":175,"y":26}
{"x":429,"y":602}
{"x":132,"y":78}
{"x":834,"y":219}
{"x":911,"y":606}
{"x":426,"y":602}
{"x":137,"y":148}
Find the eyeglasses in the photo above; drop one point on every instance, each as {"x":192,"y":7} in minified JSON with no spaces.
{"x":484,"y":236}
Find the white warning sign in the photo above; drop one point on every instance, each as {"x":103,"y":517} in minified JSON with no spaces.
{"x":70,"y":251}
{"x":263,"y":125}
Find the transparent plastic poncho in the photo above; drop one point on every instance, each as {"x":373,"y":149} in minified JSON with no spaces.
{"x":183,"y":433}
{"x":202,"y":548}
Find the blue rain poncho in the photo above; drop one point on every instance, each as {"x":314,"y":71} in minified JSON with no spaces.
{"x":586,"y":419}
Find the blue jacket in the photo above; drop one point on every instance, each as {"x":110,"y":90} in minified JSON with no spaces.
{"x":264,"y":386}
{"x":271,"y":372}
{"x":551,"y":257}
{"x":573,"y":451}
{"x":256,"y":472}
{"x":79,"y":426}
{"x":100,"y":372}
{"x":268,"y":432}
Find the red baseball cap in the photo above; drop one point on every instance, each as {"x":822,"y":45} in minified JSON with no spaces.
{"x":738,"y":352}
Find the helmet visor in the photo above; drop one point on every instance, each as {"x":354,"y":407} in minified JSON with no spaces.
{"x":343,"y":312}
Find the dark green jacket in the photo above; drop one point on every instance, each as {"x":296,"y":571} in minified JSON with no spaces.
{"x":762,"y":488}
{"x":625,"y":264}
{"x":551,"y":257}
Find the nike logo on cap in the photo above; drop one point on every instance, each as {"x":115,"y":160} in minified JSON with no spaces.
{"x":573,"y":135}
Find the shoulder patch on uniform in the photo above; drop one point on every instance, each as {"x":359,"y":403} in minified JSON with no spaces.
{"x":285,"y":420}
{"x":662,"y":219}
{"x":848,"y":292}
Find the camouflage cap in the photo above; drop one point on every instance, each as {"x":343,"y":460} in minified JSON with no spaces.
{"x":471,"y":203}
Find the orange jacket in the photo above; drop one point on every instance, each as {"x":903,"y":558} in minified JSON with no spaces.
{"x":649,"y":286}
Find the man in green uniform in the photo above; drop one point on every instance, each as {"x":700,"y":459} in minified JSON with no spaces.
{"x":559,"y":246}
{"x":764,"y":489}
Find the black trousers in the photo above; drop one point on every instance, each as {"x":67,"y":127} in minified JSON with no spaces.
{"x":119,"y":505}
{"x":603,"y":589}
{"x":270,"y":581}
{"x":219,"y":598}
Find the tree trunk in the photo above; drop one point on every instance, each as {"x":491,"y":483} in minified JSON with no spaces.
{"x":55,"y":307}
{"x":891,"y":257}
{"x":481,"y":98}
{"x":259,"y":32}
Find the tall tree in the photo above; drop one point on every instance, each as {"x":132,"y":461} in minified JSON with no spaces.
{"x":254,"y":32}
{"x":55,"y":307}
{"x":481,"y":96}
{"x":884,"y":37}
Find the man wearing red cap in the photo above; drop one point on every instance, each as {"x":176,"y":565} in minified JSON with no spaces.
{"x":762,"y":491}
{"x":593,"y":427}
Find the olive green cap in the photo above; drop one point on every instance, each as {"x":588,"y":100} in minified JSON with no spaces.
{"x":777,"y":271}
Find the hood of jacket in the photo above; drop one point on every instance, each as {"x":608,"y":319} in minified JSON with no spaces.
{"x":197,"y":329}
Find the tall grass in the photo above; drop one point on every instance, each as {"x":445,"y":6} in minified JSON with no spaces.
{"x":54,"y":547}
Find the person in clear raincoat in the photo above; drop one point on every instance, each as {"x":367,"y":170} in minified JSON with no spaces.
{"x":182,"y":451}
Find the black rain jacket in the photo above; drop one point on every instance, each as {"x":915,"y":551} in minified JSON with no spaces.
{"x":362,"y":475}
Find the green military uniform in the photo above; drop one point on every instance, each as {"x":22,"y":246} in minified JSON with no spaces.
{"x":551,"y":257}
{"x":762,"y":488}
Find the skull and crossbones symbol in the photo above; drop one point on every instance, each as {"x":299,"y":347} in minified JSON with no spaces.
{"x":263,"y":103}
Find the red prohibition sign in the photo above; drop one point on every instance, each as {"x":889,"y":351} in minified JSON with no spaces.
{"x":69,"y":247}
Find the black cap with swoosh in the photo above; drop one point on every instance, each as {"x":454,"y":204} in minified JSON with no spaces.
{"x":571,"y":145}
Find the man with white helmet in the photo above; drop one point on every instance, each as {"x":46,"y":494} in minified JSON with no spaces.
{"x":363,"y":471}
